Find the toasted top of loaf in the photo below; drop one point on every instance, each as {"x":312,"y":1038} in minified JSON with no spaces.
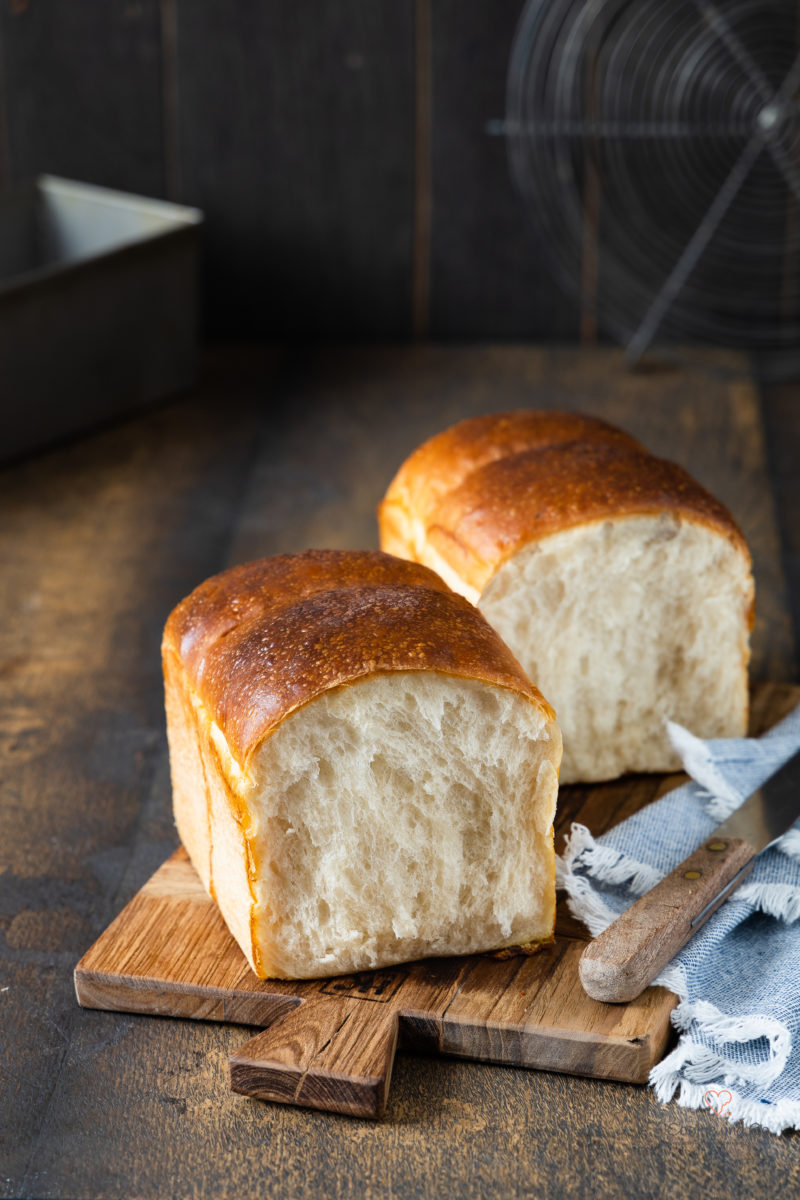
{"x":480,"y":491}
{"x":441,"y":464}
{"x":262,"y":639}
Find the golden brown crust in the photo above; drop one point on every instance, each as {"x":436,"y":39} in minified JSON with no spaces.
{"x":443,"y":463}
{"x":260,"y":640}
{"x":521,"y":495}
{"x":523,"y":950}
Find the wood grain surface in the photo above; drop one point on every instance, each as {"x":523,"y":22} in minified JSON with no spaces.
{"x":98,"y":540}
{"x":295,"y":129}
{"x":169,"y":953}
{"x":339,"y":150}
{"x":488,"y":277}
{"x":81,"y":85}
{"x":347,"y":165}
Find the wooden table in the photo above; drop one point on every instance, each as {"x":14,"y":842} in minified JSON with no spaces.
{"x":275,"y":452}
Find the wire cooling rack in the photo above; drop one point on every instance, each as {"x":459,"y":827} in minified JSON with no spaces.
{"x":656,"y":144}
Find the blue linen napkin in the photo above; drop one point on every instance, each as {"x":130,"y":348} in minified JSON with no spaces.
{"x":738,"y":979}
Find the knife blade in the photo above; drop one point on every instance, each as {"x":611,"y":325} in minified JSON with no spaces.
{"x":619,"y":964}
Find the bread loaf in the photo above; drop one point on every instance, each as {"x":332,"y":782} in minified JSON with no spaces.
{"x":623,"y":587}
{"x":362,"y":773}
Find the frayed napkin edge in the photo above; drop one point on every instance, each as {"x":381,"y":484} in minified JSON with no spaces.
{"x":702,"y":1076}
{"x":605,"y":865}
{"x":775,"y":1117}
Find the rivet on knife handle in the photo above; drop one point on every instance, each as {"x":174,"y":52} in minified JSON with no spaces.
{"x":618,"y":965}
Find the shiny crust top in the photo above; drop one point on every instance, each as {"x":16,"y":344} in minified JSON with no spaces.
{"x":496,"y":484}
{"x":443,"y":463}
{"x":262,"y":639}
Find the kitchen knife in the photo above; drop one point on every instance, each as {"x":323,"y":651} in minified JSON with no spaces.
{"x":622,"y":960}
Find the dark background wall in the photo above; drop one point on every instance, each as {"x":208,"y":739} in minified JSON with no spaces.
{"x":339,"y":149}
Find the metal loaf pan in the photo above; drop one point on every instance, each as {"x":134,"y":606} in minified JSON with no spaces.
{"x":98,"y":307}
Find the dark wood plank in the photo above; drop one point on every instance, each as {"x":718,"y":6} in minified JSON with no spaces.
{"x":99,"y":540}
{"x":423,"y":167}
{"x":296,"y":131}
{"x":782,"y":423}
{"x":5,"y":166}
{"x":488,"y":277}
{"x":83,"y":92}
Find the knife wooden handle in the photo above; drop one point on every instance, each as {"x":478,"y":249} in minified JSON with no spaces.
{"x":618,"y":965}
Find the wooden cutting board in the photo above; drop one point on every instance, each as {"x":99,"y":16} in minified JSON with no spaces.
{"x":330,"y":1044}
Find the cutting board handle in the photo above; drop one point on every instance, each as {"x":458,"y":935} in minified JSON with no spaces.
{"x":328,"y":1053}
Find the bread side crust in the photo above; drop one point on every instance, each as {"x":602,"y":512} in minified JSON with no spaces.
{"x":211,"y":814}
{"x":189,"y":787}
